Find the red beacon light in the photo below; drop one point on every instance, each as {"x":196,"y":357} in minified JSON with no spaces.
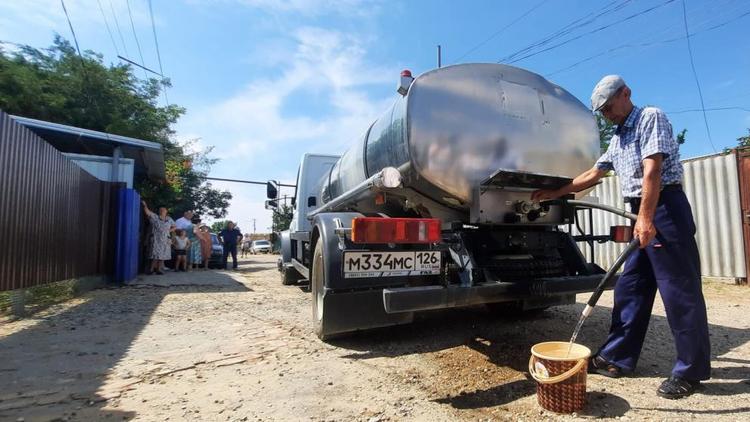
{"x":404,"y":82}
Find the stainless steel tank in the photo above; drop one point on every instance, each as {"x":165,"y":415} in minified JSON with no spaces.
{"x":458,"y":125}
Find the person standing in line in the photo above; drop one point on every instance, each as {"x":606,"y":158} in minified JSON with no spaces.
{"x":646,"y":157}
{"x":204,"y":237}
{"x":196,"y":256}
{"x":229,"y":237}
{"x":161,"y":227}
{"x":181,"y":245}
{"x":185,"y":223}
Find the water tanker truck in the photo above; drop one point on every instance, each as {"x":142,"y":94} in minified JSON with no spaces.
{"x":430,"y":208}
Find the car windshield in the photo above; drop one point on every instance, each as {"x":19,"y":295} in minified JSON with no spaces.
{"x":261,"y":243}
{"x":215,"y":239}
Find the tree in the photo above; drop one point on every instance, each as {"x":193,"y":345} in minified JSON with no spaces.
{"x":218,"y":226}
{"x":57,"y":85}
{"x":282,"y":218}
{"x":744,"y":141}
{"x":681,"y":136}
{"x":606,"y":130}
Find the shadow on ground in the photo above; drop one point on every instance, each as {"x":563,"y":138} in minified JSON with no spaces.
{"x":505,"y":343}
{"x":56,"y":367}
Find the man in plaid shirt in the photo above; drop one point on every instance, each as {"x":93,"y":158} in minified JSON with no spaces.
{"x":646,"y":158}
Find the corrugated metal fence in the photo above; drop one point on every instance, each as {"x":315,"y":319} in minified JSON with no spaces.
{"x":54,"y":217}
{"x":712,"y":186}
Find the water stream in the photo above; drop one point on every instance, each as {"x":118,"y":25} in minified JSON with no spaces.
{"x":575,"y":333}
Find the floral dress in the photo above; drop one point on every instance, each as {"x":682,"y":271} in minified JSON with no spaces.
{"x":195,"y":245}
{"x":160,"y":242}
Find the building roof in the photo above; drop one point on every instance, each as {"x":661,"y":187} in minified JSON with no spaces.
{"x":148,"y":156}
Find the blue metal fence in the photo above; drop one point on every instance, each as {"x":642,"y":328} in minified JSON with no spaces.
{"x":128,"y":227}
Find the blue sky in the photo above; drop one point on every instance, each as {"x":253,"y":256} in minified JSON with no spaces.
{"x":264,"y":81}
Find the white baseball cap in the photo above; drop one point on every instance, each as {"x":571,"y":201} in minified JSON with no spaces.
{"x":605,"y":89}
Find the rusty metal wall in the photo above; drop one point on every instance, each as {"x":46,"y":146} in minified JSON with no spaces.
{"x":54,"y":217}
{"x":712,"y":186}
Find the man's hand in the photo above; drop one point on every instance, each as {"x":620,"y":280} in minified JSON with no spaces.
{"x":645,"y":231}
{"x":544,"y":194}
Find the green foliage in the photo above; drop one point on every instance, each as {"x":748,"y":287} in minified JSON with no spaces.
{"x":606,"y":130}
{"x":218,"y":226}
{"x":282,"y":218}
{"x":681,"y":136}
{"x":744,"y":141}
{"x":56,"y":85}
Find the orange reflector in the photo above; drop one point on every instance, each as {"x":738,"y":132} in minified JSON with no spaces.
{"x":380,"y":198}
{"x":395,"y":230}
{"x":621,"y":234}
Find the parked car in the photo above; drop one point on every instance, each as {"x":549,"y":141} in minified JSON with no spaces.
{"x":217,"y":252}
{"x":259,"y":246}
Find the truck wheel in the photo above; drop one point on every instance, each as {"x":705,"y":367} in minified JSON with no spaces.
{"x":317,"y":288}
{"x":289,"y":276}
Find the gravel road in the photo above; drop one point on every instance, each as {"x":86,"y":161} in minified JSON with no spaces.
{"x":237,"y":346}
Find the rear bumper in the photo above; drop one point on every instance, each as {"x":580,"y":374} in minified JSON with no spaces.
{"x":411,"y":299}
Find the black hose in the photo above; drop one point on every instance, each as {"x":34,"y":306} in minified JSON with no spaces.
{"x":632,"y":246}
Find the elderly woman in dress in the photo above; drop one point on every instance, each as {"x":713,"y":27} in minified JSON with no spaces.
{"x":161,"y":227}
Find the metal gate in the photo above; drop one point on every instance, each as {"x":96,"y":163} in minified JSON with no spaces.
{"x":743,"y":168}
{"x":55,"y":218}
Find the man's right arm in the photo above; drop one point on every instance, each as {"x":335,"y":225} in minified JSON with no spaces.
{"x":583,"y":181}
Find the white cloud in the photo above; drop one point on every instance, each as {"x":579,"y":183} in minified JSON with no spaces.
{"x":258,"y":138}
{"x":326,"y":64}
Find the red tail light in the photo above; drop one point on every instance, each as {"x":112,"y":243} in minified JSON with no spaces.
{"x":395,"y":230}
{"x":621,"y":234}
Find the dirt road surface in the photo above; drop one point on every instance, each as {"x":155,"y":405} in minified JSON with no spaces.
{"x":215,"y":346}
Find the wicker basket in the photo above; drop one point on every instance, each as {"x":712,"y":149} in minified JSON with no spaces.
{"x":560,"y":376}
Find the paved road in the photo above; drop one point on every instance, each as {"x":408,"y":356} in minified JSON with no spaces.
{"x":224,"y":345}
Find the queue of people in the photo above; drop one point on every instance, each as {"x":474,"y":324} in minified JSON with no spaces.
{"x":188,"y":238}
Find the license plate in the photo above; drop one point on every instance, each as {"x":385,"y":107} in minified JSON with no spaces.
{"x":391,"y":264}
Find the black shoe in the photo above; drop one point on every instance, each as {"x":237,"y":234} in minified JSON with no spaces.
{"x":159,"y":273}
{"x":598,"y":365}
{"x":676,"y":388}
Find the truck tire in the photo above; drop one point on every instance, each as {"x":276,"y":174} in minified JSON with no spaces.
{"x":317,"y":288}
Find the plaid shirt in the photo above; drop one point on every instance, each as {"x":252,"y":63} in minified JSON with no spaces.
{"x":645,"y":132}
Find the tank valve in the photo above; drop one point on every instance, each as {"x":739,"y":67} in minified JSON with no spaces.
{"x":531,"y":210}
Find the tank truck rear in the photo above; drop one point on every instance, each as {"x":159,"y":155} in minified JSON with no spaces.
{"x":430,"y":208}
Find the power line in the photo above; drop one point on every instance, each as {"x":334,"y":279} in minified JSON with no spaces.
{"x":693,"y":110}
{"x":501,"y":30}
{"x":158,"y":54}
{"x":87,"y":81}
{"x":132,"y":26}
{"x":72,"y":31}
{"x":695,"y":74}
{"x":106,"y":24}
{"x":156,"y":41}
{"x":601,"y":28}
{"x":117,"y":25}
{"x":142,"y":67}
{"x":645,"y":44}
{"x":567,"y":29}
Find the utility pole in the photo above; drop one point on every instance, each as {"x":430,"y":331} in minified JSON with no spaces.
{"x":439,"y":56}
{"x":253,"y":226}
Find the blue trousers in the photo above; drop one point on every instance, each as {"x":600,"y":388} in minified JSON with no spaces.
{"x":670,"y":264}
{"x":229,"y":248}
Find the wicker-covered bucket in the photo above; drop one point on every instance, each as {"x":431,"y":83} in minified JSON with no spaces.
{"x":560,"y":377}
